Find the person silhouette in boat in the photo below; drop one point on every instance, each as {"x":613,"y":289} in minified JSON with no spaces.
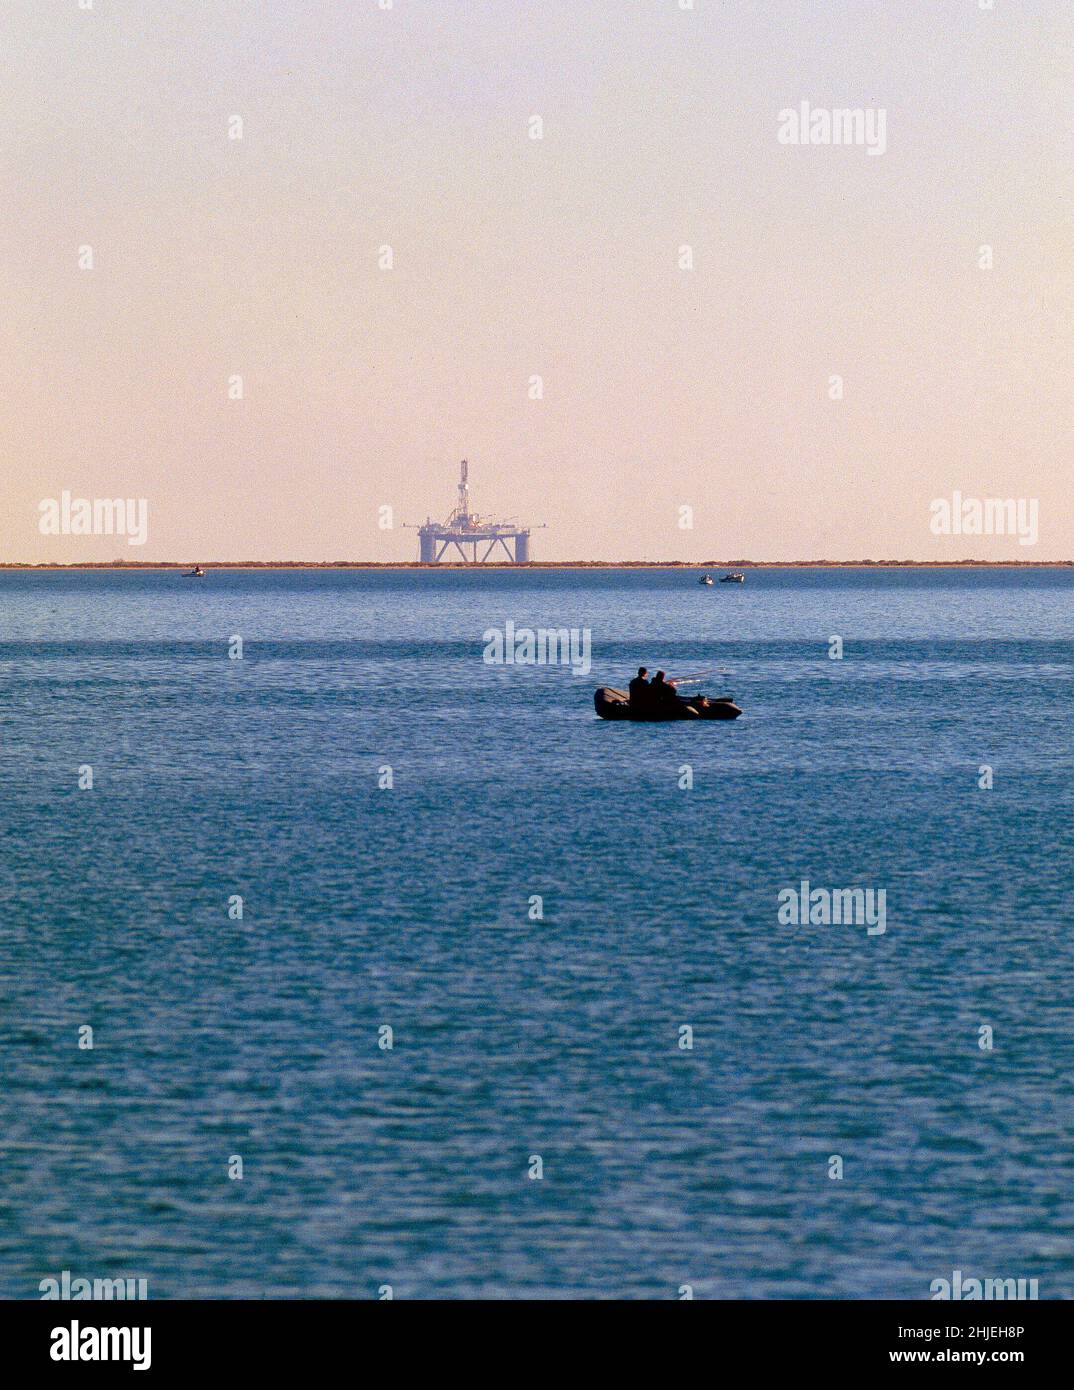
{"x":661,"y":691}
{"x":639,"y":689}
{"x":665,"y":700}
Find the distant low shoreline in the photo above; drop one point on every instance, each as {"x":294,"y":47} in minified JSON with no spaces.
{"x":544,"y":565}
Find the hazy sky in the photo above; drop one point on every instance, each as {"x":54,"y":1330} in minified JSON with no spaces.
{"x":515,"y":257}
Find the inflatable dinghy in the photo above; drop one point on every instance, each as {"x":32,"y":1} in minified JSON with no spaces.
{"x":615,"y":704}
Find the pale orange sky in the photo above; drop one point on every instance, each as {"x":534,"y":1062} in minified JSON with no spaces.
{"x":516,"y":257}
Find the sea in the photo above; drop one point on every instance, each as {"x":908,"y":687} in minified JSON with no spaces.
{"x":338,"y":960}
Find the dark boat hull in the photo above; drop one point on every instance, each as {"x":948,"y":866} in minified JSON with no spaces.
{"x":615,"y":704}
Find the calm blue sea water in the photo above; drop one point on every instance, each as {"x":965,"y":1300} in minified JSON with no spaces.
{"x":409,"y":907}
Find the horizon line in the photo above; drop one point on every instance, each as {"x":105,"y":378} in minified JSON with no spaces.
{"x":967,"y":563}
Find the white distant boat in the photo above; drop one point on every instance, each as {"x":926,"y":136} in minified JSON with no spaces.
{"x":196,"y":573}
{"x":705,"y":579}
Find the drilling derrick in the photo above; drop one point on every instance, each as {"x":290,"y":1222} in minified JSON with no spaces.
{"x":475,"y":538}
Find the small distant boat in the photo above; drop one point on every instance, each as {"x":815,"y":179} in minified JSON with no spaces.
{"x":705,"y":579}
{"x":733,"y":578}
{"x":196,"y":573}
{"x":615,"y":704}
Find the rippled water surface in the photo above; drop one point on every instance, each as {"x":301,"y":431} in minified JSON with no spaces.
{"x":513,"y":1037}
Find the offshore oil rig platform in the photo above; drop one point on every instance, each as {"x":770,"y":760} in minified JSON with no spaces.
{"x":468,"y":532}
